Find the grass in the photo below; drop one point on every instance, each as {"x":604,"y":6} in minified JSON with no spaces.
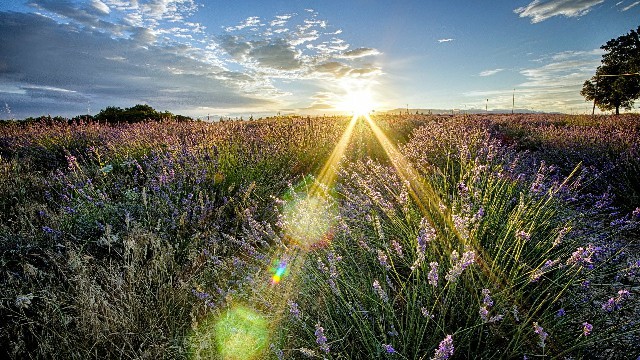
{"x":169,"y":240}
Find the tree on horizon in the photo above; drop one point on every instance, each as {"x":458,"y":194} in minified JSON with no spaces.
{"x":616,"y":83}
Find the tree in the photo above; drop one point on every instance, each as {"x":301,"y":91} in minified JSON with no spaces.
{"x":617,"y":81}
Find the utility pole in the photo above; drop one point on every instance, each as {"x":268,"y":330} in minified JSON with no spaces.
{"x":513,"y":101}
{"x":486,"y":106}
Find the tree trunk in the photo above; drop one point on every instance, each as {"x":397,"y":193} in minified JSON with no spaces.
{"x":617,"y":109}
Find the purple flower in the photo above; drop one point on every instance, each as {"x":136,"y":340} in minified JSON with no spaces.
{"x":586,"y":328}
{"x":542,"y":335}
{"x":48,"y":230}
{"x":321,"y":339}
{"x":397,"y":247}
{"x":382,"y":258}
{"x":487,"y":301}
{"x":560,"y":313}
{"x":523,"y":235}
{"x":293,"y":309}
{"x":445,"y":349}
{"x":459,"y":265}
{"x":614,"y":303}
{"x":433,"y":274}
{"x":380,"y":291}
{"x":582,"y":256}
{"x":202,"y":295}
{"x":388,"y":348}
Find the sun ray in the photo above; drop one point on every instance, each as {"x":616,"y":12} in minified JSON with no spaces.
{"x":428,"y":200}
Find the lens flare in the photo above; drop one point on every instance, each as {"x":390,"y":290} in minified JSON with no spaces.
{"x":241,"y":334}
{"x":279,"y":271}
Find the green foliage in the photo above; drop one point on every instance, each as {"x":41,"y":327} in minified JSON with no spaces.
{"x":616,"y":83}
{"x":137,"y":113}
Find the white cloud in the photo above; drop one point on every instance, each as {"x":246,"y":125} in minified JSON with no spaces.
{"x":630,"y":6}
{"x":100,"y":6}
{"x":490,"y":72}
{"x":542,"y":10}
{"x":115,"y":52}
{"x":359,"y":52}
{"x":445,"y":40}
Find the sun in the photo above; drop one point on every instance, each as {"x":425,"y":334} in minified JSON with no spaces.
{"x":357,"y":100}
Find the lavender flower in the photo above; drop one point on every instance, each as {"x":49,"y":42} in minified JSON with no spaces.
{"x":445,"y":349}
{"x":582,"y":256}
{"x":321,"y":339}
{"x":560,"y":313}
{"x":397,"y":247}
{"x":433,"y":274}
{"x":459,"y":265}
{"x":426,"y":313}
{"x":586,"y":328}
{"x":542,"y":335}
{"x":23,"y":301}
{"x":388,"y":348}
{"x":293,"y":309}
{"x":202,"y":295}
{"x":615,"y":303}
{"x":380,"y":291}
{"x":523,"y":235}
{"x":382,"y":258}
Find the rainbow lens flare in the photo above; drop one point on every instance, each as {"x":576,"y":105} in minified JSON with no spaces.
{"x":279,"y":271}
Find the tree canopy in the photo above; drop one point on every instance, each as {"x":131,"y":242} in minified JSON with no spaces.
{"x":137,"y":113}
{"x":616,"y":83}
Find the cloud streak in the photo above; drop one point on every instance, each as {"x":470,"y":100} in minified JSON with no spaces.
{"x":445,"y":40}
{"x":629,"y":6}
{"x":490,"y":72}
{"x":539,"y":11}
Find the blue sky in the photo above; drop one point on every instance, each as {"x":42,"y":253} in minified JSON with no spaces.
{"x":196,"y":57}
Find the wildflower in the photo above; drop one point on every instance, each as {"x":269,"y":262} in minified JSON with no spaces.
{"x":276,"y":351}
{"x":487,"y":301}
{"x":426,"y":313}
{"x":321,"y":340}
{"x":561,"y":234}
{"x":523,"y":235}
{"x":614,"y":303}
{"x":560,"y":313}
{"x":388,"y":348}
{"x":202,"y":295}
{"x":425,"y":235}
{"x":516,"y":313}
{"x":445,"y":349}
{"x":23,"y":301}
{"x":582,"y":256}
{"x":393,"y":331}
{"x":537,"y":273}
{"x":459,"y":265}
{"x":542,"y":335}
{"x":433,"y":274}
{"x":382,"y":258}
{"x":636,"y":213}
{"x":586,"y":328}
{"x":48,"y":230}
{"x":380,"y":291}
{"x":293,"y":309}
{"x":397,"y":247}
{"x":479,"y":215}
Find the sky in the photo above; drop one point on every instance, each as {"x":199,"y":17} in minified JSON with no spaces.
{"x":229,"y":58}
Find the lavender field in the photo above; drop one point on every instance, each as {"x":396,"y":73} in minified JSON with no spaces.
{"x":391,"y":236}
